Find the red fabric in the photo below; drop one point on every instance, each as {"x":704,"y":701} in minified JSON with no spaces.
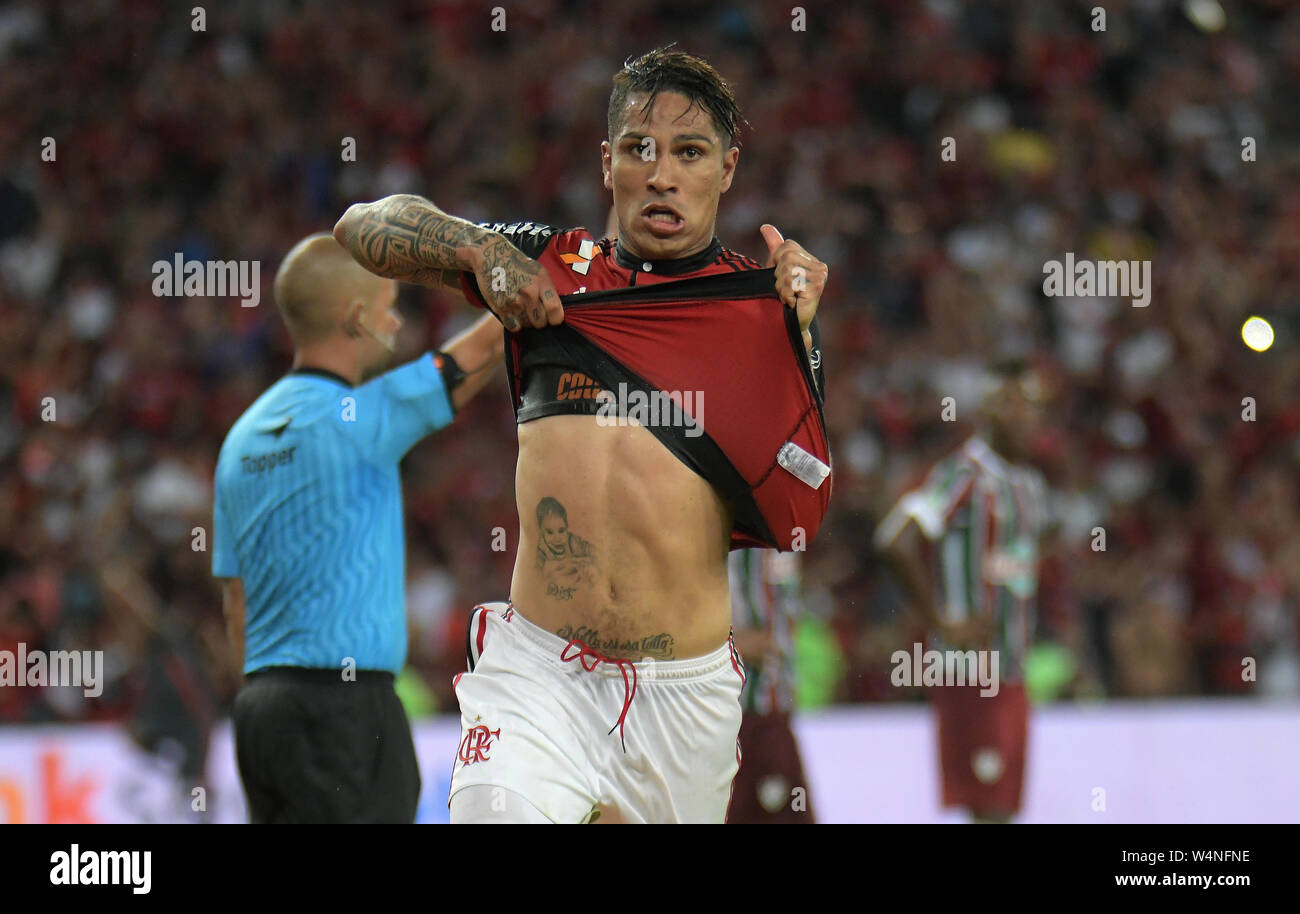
{"x":603,"y":271}
{"x":482,"y":630}
{"x":771,"y":767}
{"x":736,"y":351}
{"x":969,"y":724}
{"x":755,"y":400}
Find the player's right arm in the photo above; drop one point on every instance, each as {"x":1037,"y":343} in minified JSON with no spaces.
{"x":903,"y":554}
{"x":905,"y":557}
{"x":408,"y":238}
{"x":924,"y":512}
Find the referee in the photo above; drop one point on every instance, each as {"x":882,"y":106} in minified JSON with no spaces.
{"x":308,"y":544}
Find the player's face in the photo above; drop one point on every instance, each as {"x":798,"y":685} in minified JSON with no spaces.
{"x":1015,"y":418}
{"x":555,"y":533}
{"x":668,"y":169}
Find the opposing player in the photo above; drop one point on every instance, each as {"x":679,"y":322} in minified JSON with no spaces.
{"x":771,"y":787}
{"x":973,"y":576}
{"x":615,"y":695}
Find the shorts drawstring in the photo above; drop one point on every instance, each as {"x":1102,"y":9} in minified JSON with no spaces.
{"x":586,"y":652}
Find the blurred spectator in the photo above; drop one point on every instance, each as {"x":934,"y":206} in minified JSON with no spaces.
{"x":229,"y":144}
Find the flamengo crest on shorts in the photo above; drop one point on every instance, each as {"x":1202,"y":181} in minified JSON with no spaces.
{"x":478,"y":740}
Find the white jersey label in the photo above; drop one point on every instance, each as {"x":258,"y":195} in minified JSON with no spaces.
{"x":802,"y":465}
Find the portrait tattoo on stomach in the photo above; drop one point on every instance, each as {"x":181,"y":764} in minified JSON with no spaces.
{"x":566,"y":560}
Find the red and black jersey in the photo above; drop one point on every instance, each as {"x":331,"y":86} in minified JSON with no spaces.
{"x":709,"y":326}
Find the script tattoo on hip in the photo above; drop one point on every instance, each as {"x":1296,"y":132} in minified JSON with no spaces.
{"x":659,"y":646}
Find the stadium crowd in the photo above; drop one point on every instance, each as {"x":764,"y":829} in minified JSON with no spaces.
{"x":230,"y":143}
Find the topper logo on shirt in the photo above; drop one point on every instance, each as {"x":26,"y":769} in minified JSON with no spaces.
{"x":474,"y":747}
{"x":581,"y":261}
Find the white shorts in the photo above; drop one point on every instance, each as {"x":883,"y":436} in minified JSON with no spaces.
{"x":540,"y":726}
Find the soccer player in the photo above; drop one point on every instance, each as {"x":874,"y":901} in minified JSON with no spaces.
{"x":308,"y":544}
{"x":765,"y":603}
{"x":640,"y":638}
{"x":973,"y":576}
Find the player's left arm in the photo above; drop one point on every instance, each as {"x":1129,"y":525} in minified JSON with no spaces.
{"x":800,"y":277}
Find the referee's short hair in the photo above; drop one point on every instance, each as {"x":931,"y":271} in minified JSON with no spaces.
{"x":315,"y":283}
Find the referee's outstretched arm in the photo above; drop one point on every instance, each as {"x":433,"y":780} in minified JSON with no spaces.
{"x":474,"y":355}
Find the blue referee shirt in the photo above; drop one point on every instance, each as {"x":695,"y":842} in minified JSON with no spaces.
{"x":308,"y":513}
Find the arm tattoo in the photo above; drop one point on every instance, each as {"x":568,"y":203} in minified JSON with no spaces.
{"x":451,"y":280}
{"x":566,"y":560}
{"x":508,"y":270}
{"x":408,"y":238}
{"x":659,"y":646}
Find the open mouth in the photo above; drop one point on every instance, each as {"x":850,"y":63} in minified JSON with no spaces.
{"x":662,"y":218}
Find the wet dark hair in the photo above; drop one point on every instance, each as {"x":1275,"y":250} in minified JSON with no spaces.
{"x":549,"y":505}
{"x":662,"y":70}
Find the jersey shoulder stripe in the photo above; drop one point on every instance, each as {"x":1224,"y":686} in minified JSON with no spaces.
{"x":739,"y":261}
{"x":529,"y":237}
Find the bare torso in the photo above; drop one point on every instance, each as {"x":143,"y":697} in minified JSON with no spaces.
{"x":621,"y":545}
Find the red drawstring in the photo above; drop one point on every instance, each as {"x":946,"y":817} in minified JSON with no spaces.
{"x":586,"y":652}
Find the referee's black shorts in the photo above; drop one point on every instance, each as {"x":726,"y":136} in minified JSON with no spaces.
{"x":315,"y":748}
